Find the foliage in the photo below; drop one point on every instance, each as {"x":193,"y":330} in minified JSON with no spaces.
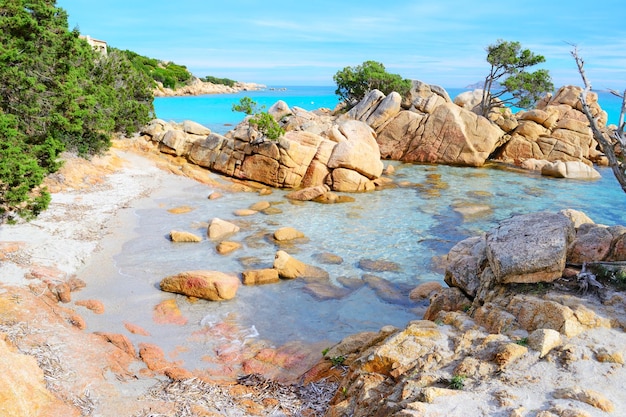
{"x":522,"y":341}
{"x":20,"y":173}
{"x":56,"y":93}
{"x":457,"y":382}
{"x":247,"y":106}
{"x":337,"y":360}
{"x":223,"y":81}
{"x":267,"y":125}
{"x":509,"y":63}
{"x":169,"y":74}
{"x":353,"y":83}
{"x":263,"y":122}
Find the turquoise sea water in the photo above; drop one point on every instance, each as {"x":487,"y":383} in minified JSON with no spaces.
{"x":410,"y":226}
{"x":215,"y":111}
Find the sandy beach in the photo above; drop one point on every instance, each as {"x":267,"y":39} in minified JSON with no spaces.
{"x":78,"y":372}
{"x":88,"y":220}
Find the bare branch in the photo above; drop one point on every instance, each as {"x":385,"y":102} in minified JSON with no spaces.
{"x":603,"y":141}
{"x":580,"y":63}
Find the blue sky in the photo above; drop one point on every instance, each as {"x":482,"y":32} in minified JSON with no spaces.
{"x":305,"y":43}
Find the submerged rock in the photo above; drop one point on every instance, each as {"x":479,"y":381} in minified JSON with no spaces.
{"x":289,"y":267}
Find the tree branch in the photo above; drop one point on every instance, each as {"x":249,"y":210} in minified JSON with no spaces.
{"x":607,"y":147}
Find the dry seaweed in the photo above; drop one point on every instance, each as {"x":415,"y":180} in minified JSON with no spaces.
{"x":290,"y":400}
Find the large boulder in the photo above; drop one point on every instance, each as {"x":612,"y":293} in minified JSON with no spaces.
{"x":529,"y":248}
{"x":449,"y":135}
{"x":209,"y":285}
{"x":570,"y":169}
{"x":357,"y":149}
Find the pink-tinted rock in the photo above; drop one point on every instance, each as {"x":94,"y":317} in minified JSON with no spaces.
{"x":209,"y":285}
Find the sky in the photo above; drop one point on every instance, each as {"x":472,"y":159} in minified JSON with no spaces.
{"x":291,"y":43}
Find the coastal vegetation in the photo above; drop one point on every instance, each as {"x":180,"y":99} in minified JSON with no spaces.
{"x":353,"y":83}
{"x":508,"y":73}
{"x":261,"y":120}
{"x":56,"y":94}
{"x":169,"y":74}
{"x":215,"y":80}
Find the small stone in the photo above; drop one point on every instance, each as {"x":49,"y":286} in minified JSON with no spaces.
{"x":177,"y":236}
{"x":167,"y":312}
{"x":215,"y":196}
{"x":226,"y":247}
{"x":424,"y":290}
{"x":260,"y":276}
{"x":509,"y":353}
{"x":77,"y":321}
{"x":180,"y":210}
{"x":593,"y":398}
{"x":287,"y":233}
{"x":135,"y":329}
{"x":378,"y":265}
{"x":118,"y":340}
{"x":260,"y":206}
{"x":272,"y":210}
{"x":544,"y":340}
{"x":219,"y":228}
{"x":430,"y":394}
{"x":209,"y":285}
{"x":328,"y":258}
{"x":62,"y":292}
{"x":94,"y":305}
{"x":244,"y":212}
{"x":289,"y":267}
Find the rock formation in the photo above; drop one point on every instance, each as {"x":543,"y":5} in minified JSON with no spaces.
{"x":556,"y":130}
{"x":513,"y":321}
{"x":198,"y":87}
{"x":343,"y":151}
{"x":347,"y":159}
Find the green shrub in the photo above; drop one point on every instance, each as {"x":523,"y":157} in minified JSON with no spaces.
{"x":223,"y":81}
{"x":263,"y":122}
{"x":353,"y":83}
{"x":57,"y":93}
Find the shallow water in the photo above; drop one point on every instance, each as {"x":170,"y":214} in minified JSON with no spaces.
{"x":411,"y":226}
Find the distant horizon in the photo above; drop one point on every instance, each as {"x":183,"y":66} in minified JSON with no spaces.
{"x":287,"y":43}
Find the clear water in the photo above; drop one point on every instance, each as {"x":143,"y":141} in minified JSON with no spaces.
{"x":411,"y":226}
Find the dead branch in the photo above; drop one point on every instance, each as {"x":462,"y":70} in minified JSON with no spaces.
{"x":607,"y":147}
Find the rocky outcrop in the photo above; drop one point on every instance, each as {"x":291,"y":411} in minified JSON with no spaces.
{"x":198,"y":87}
{"x":488,"y":334}
{"x":23,"y":386}
{"x":432,"y":129}
{"x":556,"y":130}
{"x":347,"y":158}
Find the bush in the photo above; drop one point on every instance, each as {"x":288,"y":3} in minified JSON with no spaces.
{"x":57,"y":93}
{"x":264,"y":122}
{"x":169,"y":74}
{"x":353,"y":83}
{"x":223,"y":81}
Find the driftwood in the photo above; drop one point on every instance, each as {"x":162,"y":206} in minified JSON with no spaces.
{"x":617,"y":134}
{"x":587,"y":280}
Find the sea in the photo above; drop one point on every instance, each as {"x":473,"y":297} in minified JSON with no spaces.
{"x":215,"y":111}
{"x":413,"y":227}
